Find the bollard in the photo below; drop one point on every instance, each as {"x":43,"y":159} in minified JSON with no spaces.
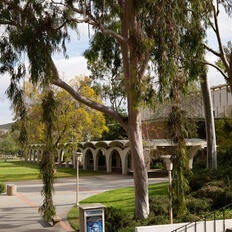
{"x":11,"y":189}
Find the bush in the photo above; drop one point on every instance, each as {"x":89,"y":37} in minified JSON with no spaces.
{"x":2,"y":188}
{"x":198,"y":205}
{"x":188,"y":217}
{"x":201,"y":178}
{"x":116,"y":219}
{"x":159,"y":205}
{"x":157,"y":220}
{"x":127,"y":229}
{"x":217,"y":192}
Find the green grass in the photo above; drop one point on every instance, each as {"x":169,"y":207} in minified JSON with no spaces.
{"x":18,"y":170}
{"x":15,"y":170}
{"x":122,"y":198}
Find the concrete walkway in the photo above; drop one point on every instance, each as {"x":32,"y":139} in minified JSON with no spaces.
{"x":19,"y":213}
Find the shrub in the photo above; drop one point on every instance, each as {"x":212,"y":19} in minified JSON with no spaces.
{"x":2,"y":188}
{"x":157,"y":220}
{"x":188,"y":217}
{"x":127,"y":229}
{"x":198,"y":205}
{"x":200,"y":179}
{"x":116,"y":219}
{"x":159,"y":205}
{"x":217,"y":192}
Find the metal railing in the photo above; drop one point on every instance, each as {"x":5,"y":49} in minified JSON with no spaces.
{"x":212,"y":216}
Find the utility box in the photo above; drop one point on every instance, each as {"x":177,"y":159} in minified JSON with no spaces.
{"x":92,"y":218}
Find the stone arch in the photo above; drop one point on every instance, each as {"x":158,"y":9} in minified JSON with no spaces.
{"x":40,"y":154}
{"x":115,"y":161}
{"x":101,"y":160}
{"x":88,"y":159}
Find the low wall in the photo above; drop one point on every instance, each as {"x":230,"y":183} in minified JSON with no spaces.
{"x":191,"y":228}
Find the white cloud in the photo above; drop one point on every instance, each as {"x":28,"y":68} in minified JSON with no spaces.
{"x":225,"y":28}
{"x":5,"y":111}
{"x":215,"y":78}
{"x":69,"y":68}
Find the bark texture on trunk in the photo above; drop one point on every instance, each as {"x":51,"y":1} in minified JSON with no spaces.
{"x":140,"y":172}
{"x":209,"y":123}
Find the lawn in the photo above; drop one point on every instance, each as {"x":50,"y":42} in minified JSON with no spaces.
{"x":122,"y":198}
{"x":15,"y":170}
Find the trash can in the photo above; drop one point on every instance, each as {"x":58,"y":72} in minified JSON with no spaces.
{"x":92,"y":218}
{"x":11,"y":189}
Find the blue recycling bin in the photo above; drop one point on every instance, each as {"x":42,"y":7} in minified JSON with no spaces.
{"x":92,"y":218}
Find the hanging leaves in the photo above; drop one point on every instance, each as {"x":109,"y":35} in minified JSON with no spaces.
{"x":47,"y":166}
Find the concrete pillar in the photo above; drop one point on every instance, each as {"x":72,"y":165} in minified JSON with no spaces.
{"x":95,"y":161}
{"x":108,"y":161}
{"x":192,"y":151}
{"x":84,"y":160}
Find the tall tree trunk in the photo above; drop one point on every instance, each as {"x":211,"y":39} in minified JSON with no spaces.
{"x":140,"y":172}
{"x":209,"y":123}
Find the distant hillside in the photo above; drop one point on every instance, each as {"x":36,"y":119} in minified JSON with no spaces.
{"x":6,"y":126}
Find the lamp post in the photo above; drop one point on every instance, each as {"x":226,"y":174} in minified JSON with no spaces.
{"x":169,"y":167}
{"x":77,"y":180}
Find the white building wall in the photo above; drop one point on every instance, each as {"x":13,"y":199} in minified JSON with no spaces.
{"x":222,"y":101}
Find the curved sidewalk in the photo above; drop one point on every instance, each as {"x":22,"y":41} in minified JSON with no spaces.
{"x":19,"y":213}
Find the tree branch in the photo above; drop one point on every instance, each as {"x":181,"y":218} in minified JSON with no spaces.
{"x":212,"y":50}
{"x":94,"y":22}
{"x":92,"y":104}
{"x":222,"y":52}
{"x":216,"y":67}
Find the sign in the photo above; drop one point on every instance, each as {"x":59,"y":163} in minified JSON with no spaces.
{"x":94,"y":220}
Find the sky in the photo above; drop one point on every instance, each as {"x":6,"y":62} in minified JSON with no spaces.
{"x":76,"y":64}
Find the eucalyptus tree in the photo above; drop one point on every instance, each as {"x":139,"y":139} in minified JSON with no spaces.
{"x":144,"y":41}
{"x":224,"y":66}
{"x":222,"y":52}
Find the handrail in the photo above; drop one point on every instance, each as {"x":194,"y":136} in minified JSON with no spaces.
{"x":204,"y":218}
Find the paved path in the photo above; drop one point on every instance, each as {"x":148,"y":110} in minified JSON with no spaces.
{"x":19,"y":213}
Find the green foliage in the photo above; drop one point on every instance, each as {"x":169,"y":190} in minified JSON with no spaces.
{"x":116,"y":219}
{"x":74,"y":122}
{"x":224,"y":135}
{"x":212,"y":186}
{"x":198,"y":206}
{"x":200,"y":179}
{"x":180,"y":172}
{"x":219,"y":194}
{"x":47,"y":163}
{"x":159,"y":206}
{"x":115,"y":130}
{"x":2,"y":187}
{"x":8,"y":144}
